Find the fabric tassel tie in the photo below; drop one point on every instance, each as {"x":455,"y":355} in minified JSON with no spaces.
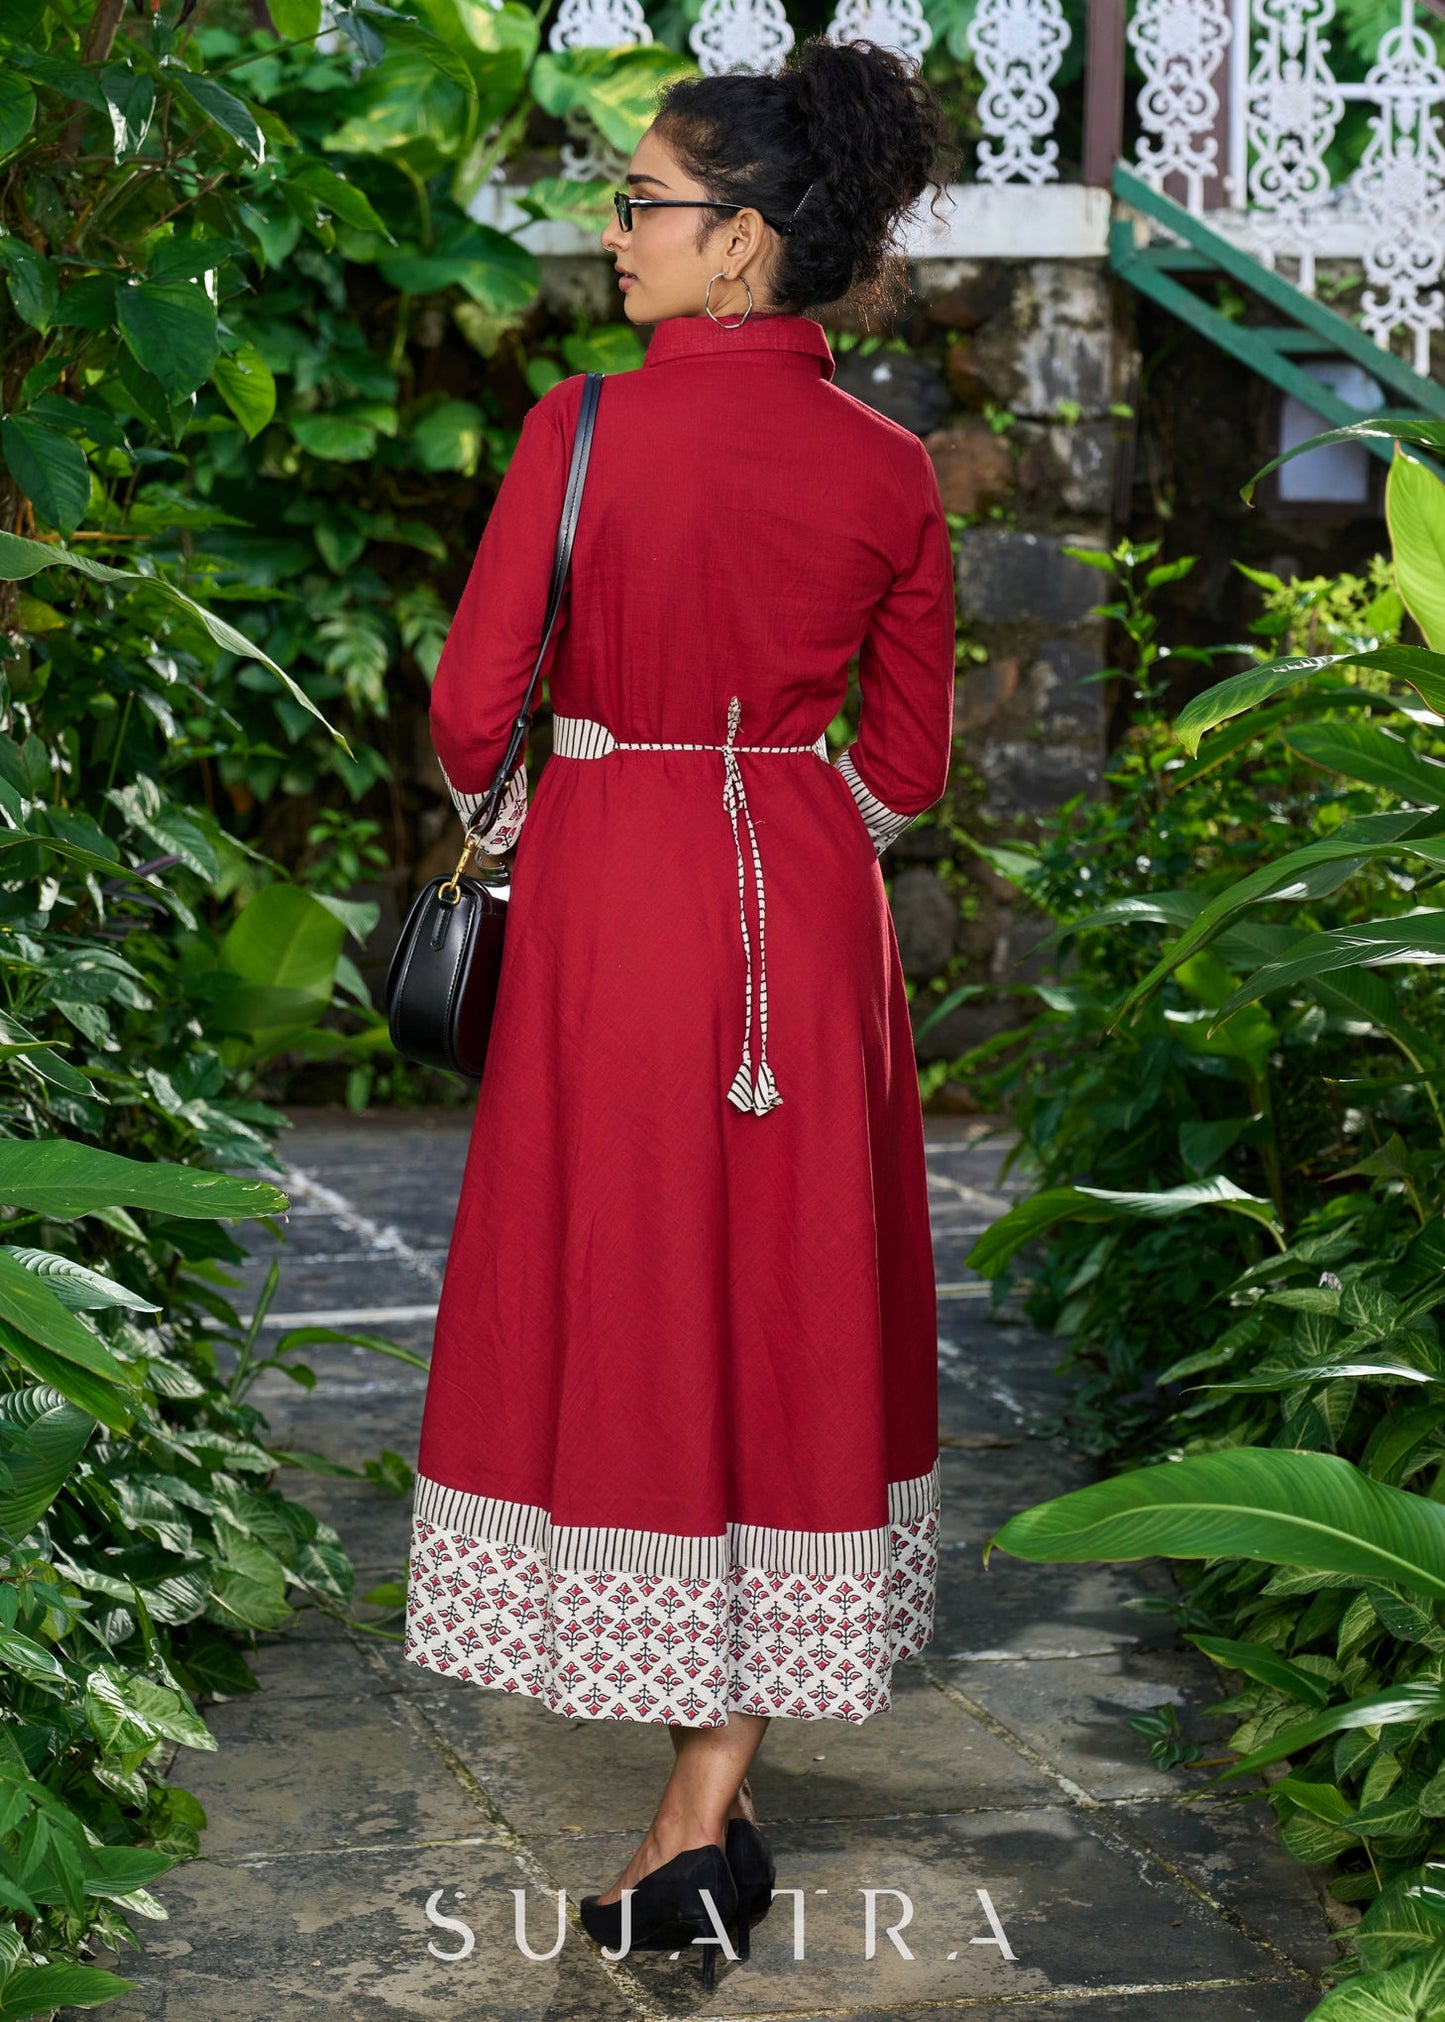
{"x":744,"y":1092}
{"x":581,"y":737}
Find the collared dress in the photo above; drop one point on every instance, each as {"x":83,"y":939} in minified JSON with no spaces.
{"x":679,"y":1454}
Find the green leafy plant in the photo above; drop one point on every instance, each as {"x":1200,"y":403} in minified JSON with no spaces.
{"x":1300,"y":1425}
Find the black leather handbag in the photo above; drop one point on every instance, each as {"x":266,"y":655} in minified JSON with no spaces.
{"x":441,"y":987}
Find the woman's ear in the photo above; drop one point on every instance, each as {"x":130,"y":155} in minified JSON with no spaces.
{"x":746,"y":236}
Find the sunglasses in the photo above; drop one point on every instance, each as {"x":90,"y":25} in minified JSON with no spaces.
{"x":625,"y":205}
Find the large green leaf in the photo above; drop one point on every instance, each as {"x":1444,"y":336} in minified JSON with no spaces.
{"x":57,"y":1432}
{"x":78,"y":1289}
{"x":49,"y":468}
{"x":130,"y":99}
{"x":120,"y":1703}
{"x":32,"y":280}
{"x":1320,"y":698}
{"x":617,"y":88}
{"x":1360,"y":994}
{"x":278,"y":967}
{"x":116,"y":1870}
{"x":1415,"y":510}
{"x":312,"y":1337}
{"x":1423,"y":670}
{"x":333,"y":193}
{"x":169,"y":328}
{"x":1396,"y":1705}
{"x":1366,"y":751}
{"x":1412,"y":1990}
{"x":588,"y":204}
{"x":1272,"y":1504}
{"x":1419,"y":432}
{"x":1396,"y":832}
{"x":404,"y":33}
{"x":605,"y":347}
{"x":405,"y":106}
{"x":295,"y":20}
{"x":451,"y":437}
{"x":55,"y":1177}
{"x":492,"y":269}
{"x":335,"y":438}
{"x":90,"y":1393}
{"x":1403,"y":1917}
{"x":211,"y":98}
{"x":494,"y":30}
{"x":1154,"y":909}
{"x":1257,"y":1660}
{"x":30,"y":1306}
{"x":17,"y":111}
{"x":1412,"y":937}
{"x":39,"y":1990}
{"x":1368,"y":1368}
{"x":21,"y":559}
{"x":244,"y":381}
{"x":19,"y":1652}
{"x":1098,"y":1204}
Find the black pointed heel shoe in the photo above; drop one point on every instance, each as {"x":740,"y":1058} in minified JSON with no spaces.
{"x":667,"y":1908}
{"x":754,"y":1871}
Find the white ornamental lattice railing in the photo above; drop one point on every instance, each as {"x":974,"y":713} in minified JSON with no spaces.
{"x":1237,"y":113}
{"x":752,"y":35}
{"x":1285,"y":104}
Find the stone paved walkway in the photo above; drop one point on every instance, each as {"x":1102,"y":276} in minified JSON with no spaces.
{"x":354,"y":1786}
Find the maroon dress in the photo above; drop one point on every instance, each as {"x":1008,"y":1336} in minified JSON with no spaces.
{"x":680,"y":1446}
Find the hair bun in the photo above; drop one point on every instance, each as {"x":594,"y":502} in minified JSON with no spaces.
{"x":840,"y":143}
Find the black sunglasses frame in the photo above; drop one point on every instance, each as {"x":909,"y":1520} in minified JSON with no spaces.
{"x":624,"y":203}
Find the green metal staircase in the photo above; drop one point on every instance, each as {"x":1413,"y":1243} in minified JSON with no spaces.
{"x":1300,"y":326}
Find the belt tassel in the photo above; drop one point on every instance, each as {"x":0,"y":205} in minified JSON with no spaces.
{"x":581,"y":737}
{"x":745,"y":1093}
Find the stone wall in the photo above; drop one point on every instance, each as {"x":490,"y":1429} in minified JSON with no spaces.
{"x":1034,"y":452}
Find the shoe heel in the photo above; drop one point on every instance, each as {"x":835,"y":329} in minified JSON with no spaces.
{"x":743,"y":1937}
{"x":709,"y":1968}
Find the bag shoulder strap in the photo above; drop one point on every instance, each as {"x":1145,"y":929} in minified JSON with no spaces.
{"x":485,"y":812}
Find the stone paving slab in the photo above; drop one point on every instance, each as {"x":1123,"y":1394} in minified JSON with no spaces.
{"x":551,"y":1775}
{"x":354,"y":1785}
{"x":303,"y":1774}
{"x":1075,"y":1711}
{"x":345,"y":1934}
{"x":1270,"y":2001}
{"x":1232,"y":1853}
{"x":1080,"y":1910}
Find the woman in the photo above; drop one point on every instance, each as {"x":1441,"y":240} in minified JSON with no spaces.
{"x":679,"y":1461}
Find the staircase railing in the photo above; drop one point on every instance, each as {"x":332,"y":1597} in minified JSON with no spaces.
{"x":1242,"y":115}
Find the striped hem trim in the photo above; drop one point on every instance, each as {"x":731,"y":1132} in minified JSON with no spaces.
{"x":885,"y":825}
{"x":662,"y":1554}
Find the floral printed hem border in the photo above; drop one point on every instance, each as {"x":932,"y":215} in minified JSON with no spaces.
{"x":686,"y":1648}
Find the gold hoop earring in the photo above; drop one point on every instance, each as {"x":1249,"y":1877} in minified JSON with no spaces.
{"x":707,"y":303}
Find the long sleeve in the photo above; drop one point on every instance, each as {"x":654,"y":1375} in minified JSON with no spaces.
{"x":897,"y":766}
{"x":481,"y":678}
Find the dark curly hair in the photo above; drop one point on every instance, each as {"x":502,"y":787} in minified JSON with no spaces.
{"x":853,"y":120}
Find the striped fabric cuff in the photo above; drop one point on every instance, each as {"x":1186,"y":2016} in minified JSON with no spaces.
{"x":511,"y":813}
{"x":884,"y":825}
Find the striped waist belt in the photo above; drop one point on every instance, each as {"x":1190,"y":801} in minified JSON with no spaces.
{"x":580,"y":737}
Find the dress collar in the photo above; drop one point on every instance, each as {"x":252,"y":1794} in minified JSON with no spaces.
{"x":700,"y":337}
